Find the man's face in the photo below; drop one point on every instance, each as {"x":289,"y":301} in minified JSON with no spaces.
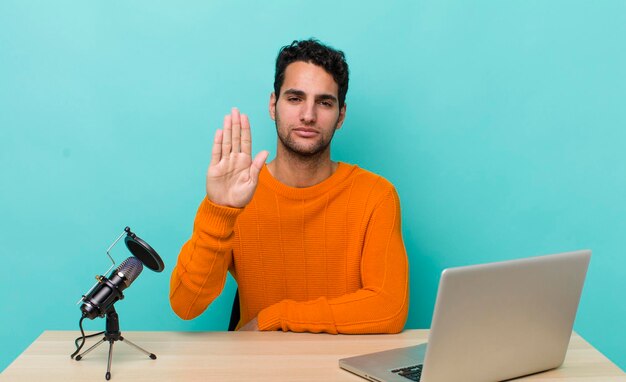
{"x":307,"y":111}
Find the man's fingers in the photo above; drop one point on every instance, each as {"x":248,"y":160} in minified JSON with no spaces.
{"x":257,"y":164}
{"x":246,"y":139}
{"x":227,"y":136}
{"x":236,"y":139}
{"x":216,"y":153}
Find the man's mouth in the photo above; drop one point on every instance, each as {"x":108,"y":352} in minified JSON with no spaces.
{"x":305,"y":132}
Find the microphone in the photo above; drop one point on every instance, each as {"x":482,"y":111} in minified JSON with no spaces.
{"x":109,"y":290}
{"x":100,"y":299}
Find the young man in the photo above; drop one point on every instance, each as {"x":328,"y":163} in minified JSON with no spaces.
{"x":314,"y":245}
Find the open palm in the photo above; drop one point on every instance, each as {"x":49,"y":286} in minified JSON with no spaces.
{"x":232,"y":176}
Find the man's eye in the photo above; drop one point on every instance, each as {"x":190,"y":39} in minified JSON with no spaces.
{"x":326,"y":103}
{"x":293,"y":99}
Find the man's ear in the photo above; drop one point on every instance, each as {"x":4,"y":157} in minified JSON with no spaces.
{"x":273,"y":106}
{"x":342,"y":116}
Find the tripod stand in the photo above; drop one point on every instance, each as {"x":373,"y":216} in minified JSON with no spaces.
{"x":112,"y":334}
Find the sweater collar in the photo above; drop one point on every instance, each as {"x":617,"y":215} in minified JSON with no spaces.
{"x":342,"y":172}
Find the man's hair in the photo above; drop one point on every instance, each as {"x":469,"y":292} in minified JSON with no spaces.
{"x":312,"y":51}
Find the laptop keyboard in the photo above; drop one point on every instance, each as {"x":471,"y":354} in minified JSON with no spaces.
{"x":414,"y":373}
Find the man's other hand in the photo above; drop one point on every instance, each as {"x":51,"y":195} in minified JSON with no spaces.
{"x":251,"y":326}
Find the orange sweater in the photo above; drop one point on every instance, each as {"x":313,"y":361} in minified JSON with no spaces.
{"x":327,"y":258}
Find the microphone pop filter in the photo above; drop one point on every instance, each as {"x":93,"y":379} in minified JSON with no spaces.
{"x":143,"y":251}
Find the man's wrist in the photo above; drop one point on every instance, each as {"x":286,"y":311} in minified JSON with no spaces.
{"x":215,"y":217}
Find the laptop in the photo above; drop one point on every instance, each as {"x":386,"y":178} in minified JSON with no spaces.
{"x":492,"y":322}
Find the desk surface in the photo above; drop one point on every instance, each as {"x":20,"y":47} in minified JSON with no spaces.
{"x":258,"y":356}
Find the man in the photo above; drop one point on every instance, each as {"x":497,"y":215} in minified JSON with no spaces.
{"x":315,"y":245}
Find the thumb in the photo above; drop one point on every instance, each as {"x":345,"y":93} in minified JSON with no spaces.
{"x":257,"y":164}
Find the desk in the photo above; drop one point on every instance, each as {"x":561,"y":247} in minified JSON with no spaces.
{"x":257,"y":356}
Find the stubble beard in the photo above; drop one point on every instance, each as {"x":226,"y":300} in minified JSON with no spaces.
{"x":307,"y":153}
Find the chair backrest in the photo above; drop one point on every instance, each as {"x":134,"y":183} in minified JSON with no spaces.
{"x":234,"y":313}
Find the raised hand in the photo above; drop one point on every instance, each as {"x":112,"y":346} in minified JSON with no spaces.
{"x":232,"y":176}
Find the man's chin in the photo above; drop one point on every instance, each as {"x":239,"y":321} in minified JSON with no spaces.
{"x":305,"y":148}
{"x":306,"y":152}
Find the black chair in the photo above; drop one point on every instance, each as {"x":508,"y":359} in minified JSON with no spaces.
{"x":235,"y":314}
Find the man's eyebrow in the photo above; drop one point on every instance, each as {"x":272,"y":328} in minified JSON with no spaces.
{"x":326,"y":97}
{"x":295,"y":92}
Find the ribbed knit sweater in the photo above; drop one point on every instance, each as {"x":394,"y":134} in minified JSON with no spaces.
{"x":327,"y":258}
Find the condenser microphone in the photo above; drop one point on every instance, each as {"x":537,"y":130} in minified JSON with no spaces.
{"x":109,"y":290}
{"x":100,"y":300}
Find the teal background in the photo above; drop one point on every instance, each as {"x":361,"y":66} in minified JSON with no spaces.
{"x":501,"y":123}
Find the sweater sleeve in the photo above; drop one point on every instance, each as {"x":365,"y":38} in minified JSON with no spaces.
{"x":203,"y":262}
{"x":380,"y":306}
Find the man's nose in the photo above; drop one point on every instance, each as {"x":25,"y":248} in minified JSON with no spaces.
{"x":308,"y":113}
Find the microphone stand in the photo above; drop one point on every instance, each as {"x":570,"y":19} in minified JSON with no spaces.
{"x":111,"y":335}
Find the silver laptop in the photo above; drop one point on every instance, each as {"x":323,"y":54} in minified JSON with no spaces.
{"x":492,"y":322}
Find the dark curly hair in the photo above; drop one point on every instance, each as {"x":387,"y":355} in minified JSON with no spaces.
{"x":312,"y":51}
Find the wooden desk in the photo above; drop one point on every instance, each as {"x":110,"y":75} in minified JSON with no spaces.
{"x":238,"y":356}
